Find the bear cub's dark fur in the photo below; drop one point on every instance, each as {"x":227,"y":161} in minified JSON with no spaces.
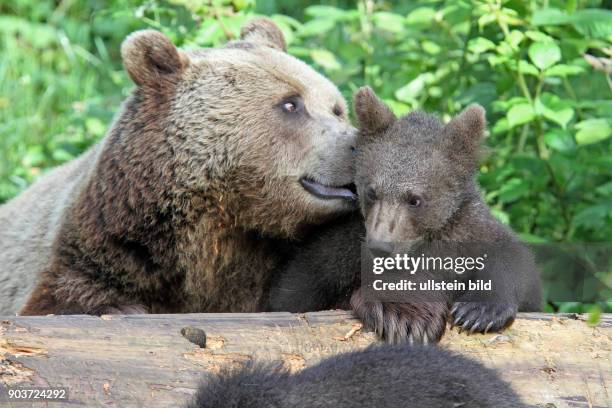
{"x":387,"y":376}
{"x":415,"y":178}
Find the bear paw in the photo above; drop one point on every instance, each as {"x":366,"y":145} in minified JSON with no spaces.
{"x":482,"y":317}
{"x":414,"y":323}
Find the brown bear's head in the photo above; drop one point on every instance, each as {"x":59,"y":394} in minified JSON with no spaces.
{"x":412,"y":173}
{"x":251,"y":128}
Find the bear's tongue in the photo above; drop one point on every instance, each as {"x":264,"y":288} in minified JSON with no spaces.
{"x":326,"y":192}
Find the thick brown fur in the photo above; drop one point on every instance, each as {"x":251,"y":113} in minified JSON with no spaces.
{"x":191,"y":196}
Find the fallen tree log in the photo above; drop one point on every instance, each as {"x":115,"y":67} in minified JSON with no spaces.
{"x":145,"y":361}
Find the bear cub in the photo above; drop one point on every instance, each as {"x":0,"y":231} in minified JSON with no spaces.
{"x":415,"y":179}
{"x":383,"y":376}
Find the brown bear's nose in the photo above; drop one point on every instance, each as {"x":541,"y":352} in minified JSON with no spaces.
{"x":380,"y":249}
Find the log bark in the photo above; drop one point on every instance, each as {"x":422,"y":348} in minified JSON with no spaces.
{"x":145,"y":361}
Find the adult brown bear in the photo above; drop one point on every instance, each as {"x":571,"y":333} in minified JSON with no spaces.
{"x":217,"y":157}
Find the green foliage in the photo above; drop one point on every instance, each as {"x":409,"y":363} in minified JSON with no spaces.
{"x":540,"y":68}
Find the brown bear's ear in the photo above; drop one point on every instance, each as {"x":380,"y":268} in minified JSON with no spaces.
{"x":373,"y":115}
{"x":263,"y":31}
{"x":464,"y":133}
{"x":150,"y":57}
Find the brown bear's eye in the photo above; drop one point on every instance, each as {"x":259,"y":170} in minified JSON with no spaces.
{"x":292,"y":104}
{"x":289,"y":107}
{"x":338,"y":110}
{"x":414,"y":201}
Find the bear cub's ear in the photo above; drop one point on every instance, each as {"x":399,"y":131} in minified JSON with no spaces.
{"x":373,"y":115}
{"x":463,"y":135}
{"x":150,"y":58}
{"x":470,"y":123}
{"x":264,"y":32}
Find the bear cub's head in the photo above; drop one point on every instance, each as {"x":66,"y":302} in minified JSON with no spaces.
{"x":413,"y":173}
{"x":256,"y":135}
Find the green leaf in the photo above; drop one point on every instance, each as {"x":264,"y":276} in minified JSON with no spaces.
{"x":544,"y":54}
{"x":325,"y":12}
{"x":605,"y":189}
{"x":388,"y":21}
{"x":554,"y":109}
{"x":505,"y":49}
{"x":600,"y":107}
{"x":559,"y":140}
{"x":326,"y":59}
{"x":513,"y":189}
{"x":549,"y":16}
{"x":38,"y":35}
{"x":95,"y":126}
{"x":593,"y":22}
{"x":594,"y":316}
{"x":409,"y":92}
{"x":486,"y":19}
{"x":62,"y":156}
{"x":479,"y":45}
{"x":527,"y":68}
{"x":520,"y":114}
{"x":242,"y":4}
{"x":501,"y":126}
{"x":592,"y":131}
{"x":421,"y":16}
{"x":431,"y":47}
{"x":514,"y":38}
{"x":316,"y":27}
{"x":563,"y":70}
{"x":34,"y":157}
{"x":503,"y":105}
{"x":398,"y":108}
{"x":500,"y":215}
{"x":209,"y":33}
{"x":481,"y":92}
{"x":538,"y":36}
{"x":593,"y":217}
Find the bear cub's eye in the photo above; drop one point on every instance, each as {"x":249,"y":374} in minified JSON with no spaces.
{"x":292,"y":104}
{"x":414,"y":201}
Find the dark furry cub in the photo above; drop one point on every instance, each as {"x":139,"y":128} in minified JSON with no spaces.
{"x":387,"y":376}
{"x":415,"y":177}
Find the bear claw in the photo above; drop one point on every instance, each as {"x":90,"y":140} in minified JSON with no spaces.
{"x":484,"y":317}
{"x":396,"y":323}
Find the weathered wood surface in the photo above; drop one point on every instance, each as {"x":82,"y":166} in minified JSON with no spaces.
{"x":144,"y":361}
